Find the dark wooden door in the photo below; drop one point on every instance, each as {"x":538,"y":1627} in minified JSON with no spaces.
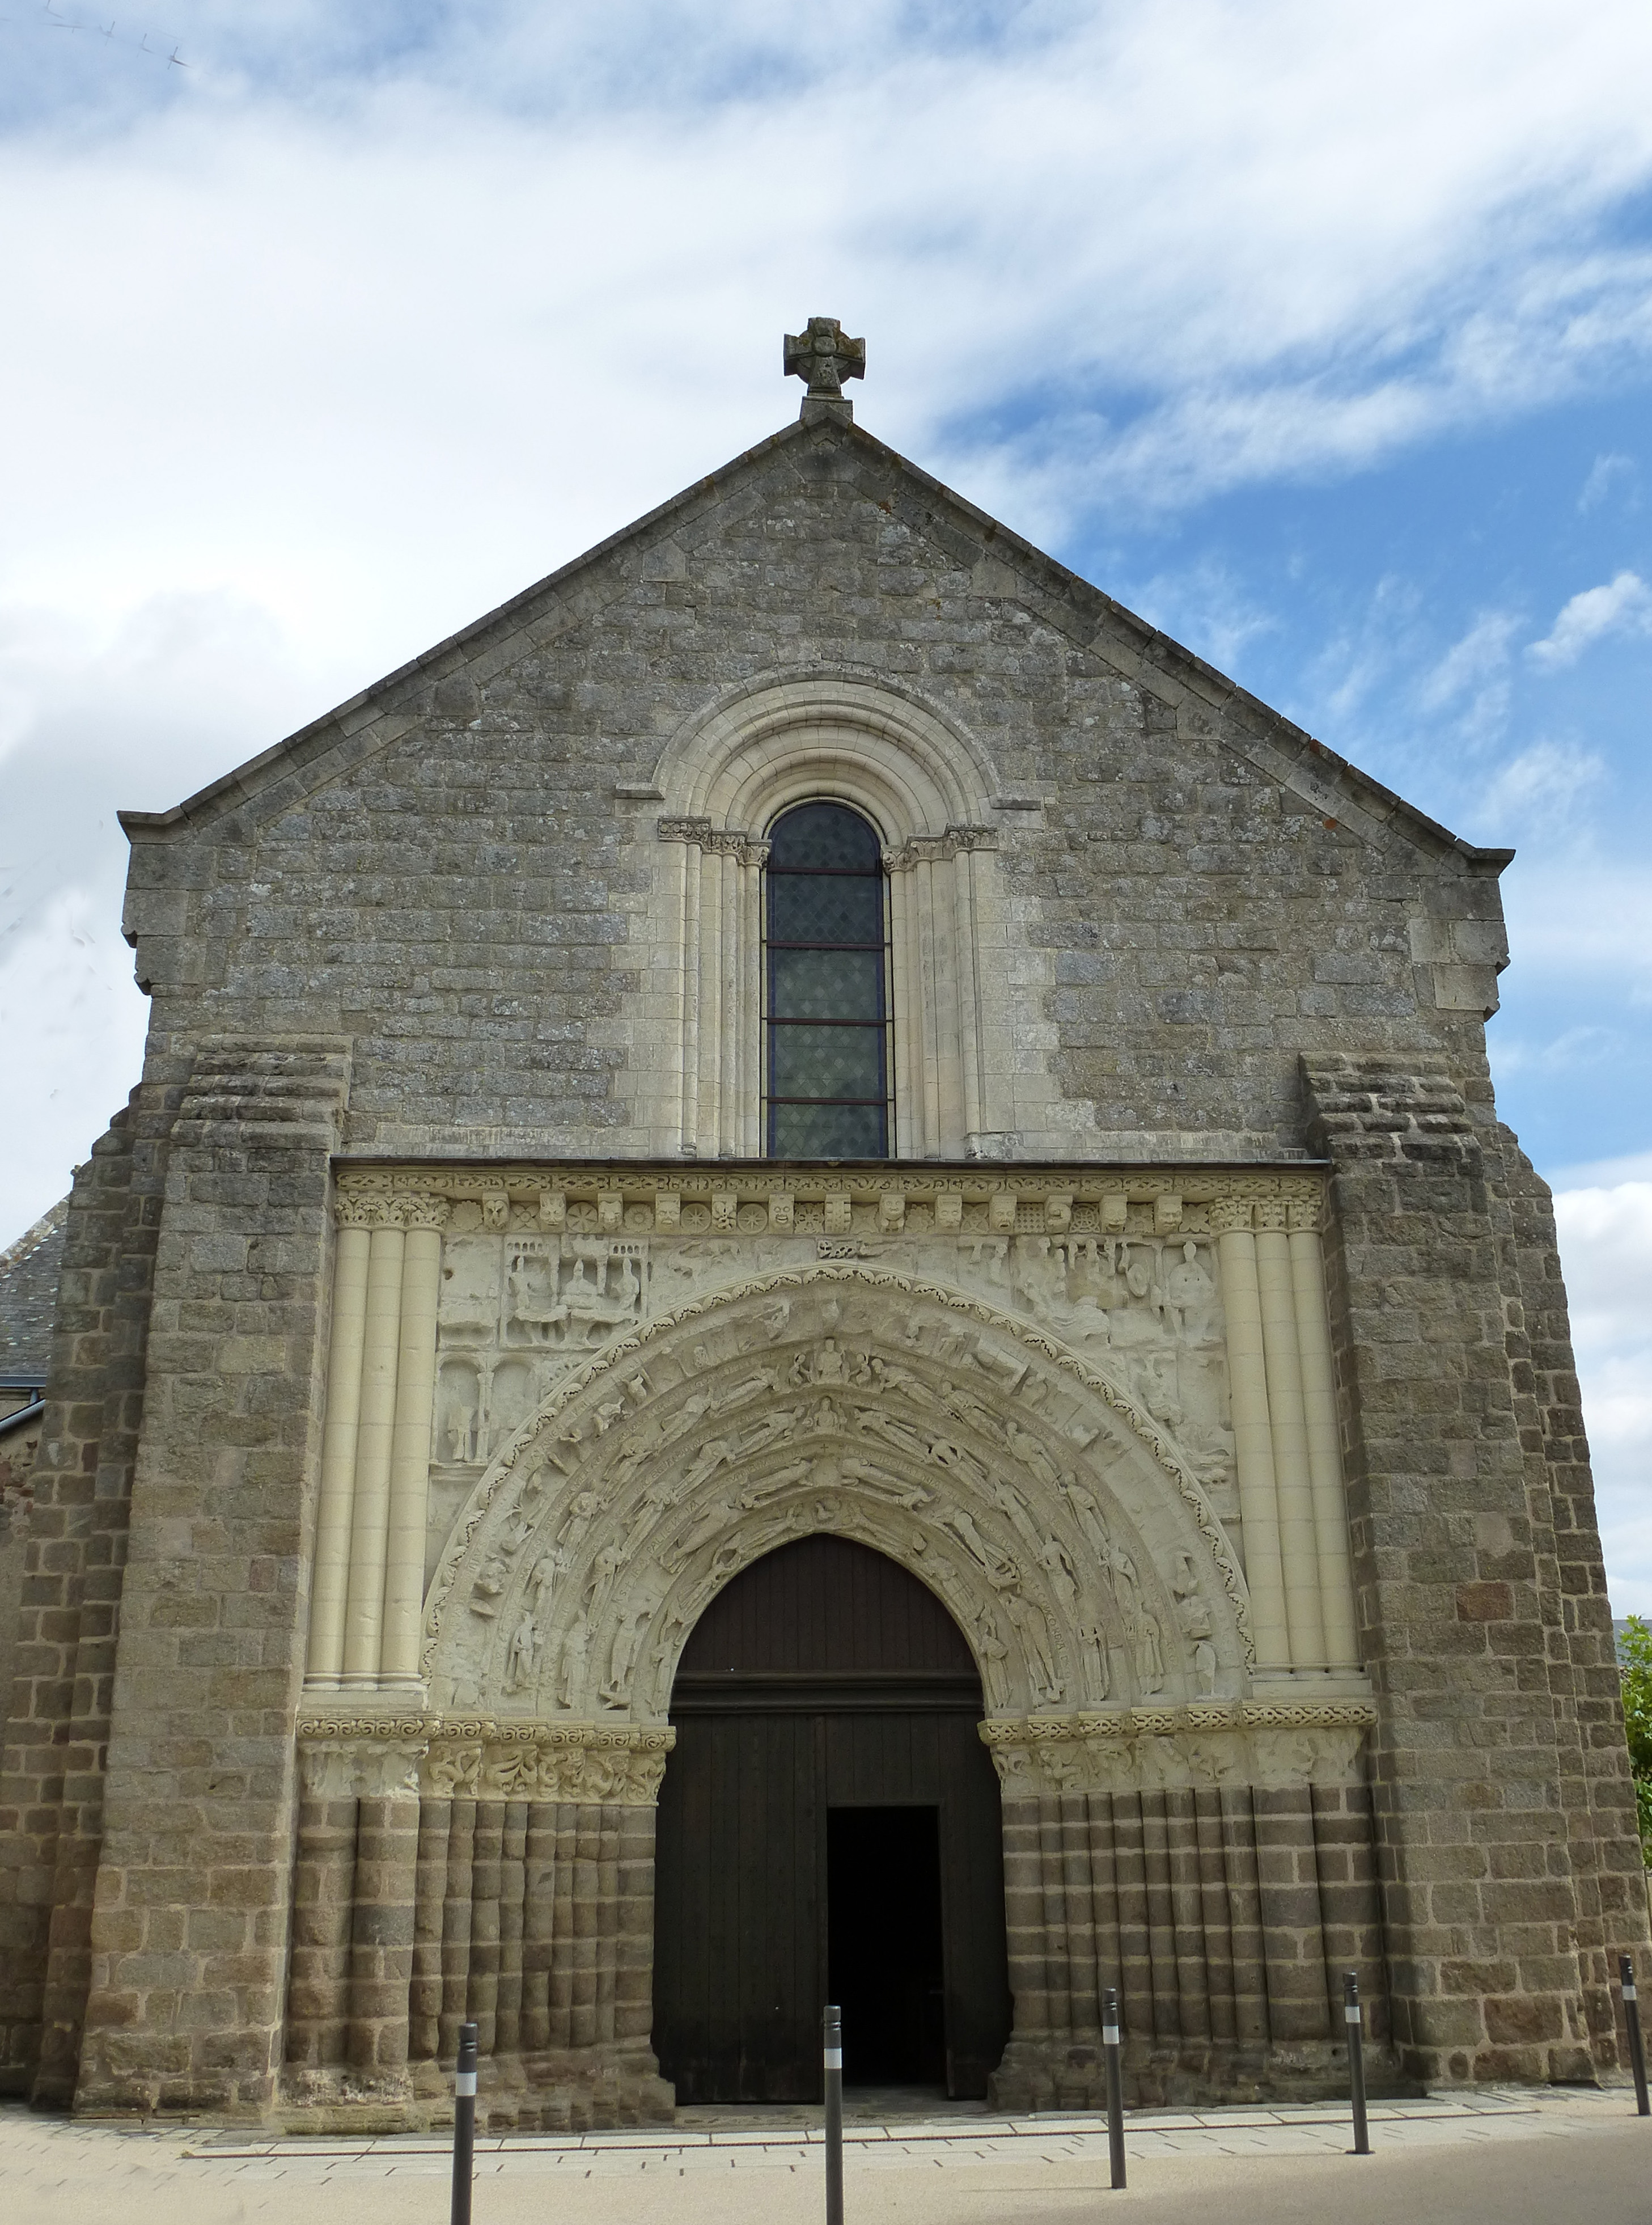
{"x":824,"y":1679}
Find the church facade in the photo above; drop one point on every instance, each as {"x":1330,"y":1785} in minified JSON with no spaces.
{"x":815,"y":1286}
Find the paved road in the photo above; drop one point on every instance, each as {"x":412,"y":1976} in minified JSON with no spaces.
{"x":1507,"y":2158}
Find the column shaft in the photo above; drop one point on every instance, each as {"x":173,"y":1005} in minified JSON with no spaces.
{"x":1079,"y":1892}
{"x":484,"y":1922}
{"x":318,"y":1983}
{"x":1324,"y":1450}
{"x":538,"y":1890}
{"x":410,"y":1477}
{"x":634,"y":1988}
{"x":456,"y":1927}
{"x":369,"y":1514}
{"x":749,"y":989}
{"x":1216,"y":1912}
{"x":713,"y":999}
{"x":560,"y":1984}
{"x":728,"y":1121}
{"x":1052,"y":1879}
{"x":587,"y":1919}
{"x":943,"y":902}
{"x":1244,"y":1915}
{"x":332,"y":1578}
{"x":1187,"y":1906}
{"x":507,"y":2039}
{"x":1298,"y":1551}
{"x":909,"y":1116}
{"x":691,"y":992}
{"x":608,"y":1918}
{"x":923,"y":875}
{"x":381,"y":1925}
{"x":424,"y":1995}
{"x":964,"y":989}
{"x":1253,"y":1448}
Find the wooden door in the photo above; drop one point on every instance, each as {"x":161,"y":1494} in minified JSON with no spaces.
{"x":823,"y":1678}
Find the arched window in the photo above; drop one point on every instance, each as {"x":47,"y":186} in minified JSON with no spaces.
{"x":826,"y":1061}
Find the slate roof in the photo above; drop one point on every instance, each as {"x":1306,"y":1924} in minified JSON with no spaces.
{"x":28,"y":1273}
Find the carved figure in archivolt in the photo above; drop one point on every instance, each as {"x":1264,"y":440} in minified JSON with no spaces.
{"x":995,"y":1473}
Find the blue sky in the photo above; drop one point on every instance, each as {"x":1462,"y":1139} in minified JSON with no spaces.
{"x":1322,"y":336}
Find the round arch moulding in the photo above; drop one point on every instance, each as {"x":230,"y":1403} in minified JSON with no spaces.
{"x":927,"y":787}
{"x":1057,"y":1530}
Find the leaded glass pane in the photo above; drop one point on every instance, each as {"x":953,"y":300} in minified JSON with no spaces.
{"x":829,"y":1131}
{"x":823,"y":838}
{"x":826,"y":908}
{"x":827,"y":1041}
{"x":825,"y":984}
{"x":835,"y":1061}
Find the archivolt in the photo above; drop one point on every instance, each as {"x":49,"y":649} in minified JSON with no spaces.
{"x":928,"y":788}
{"x":989,"y":1459}
{"x":866,"y":738}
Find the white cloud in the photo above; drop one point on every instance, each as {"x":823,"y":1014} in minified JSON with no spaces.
{"x":385,"y":311}
{"x":94,"y":717}
{"x":1549,"y":778}
{"x":1480,"y":656}
{"x":1573,"y":914}
{"x":1604,"y":473}
{"x":1623,"y":605}
{"x":73,"y":1025}
{"x":1203,"y":606}
{"x":1606,"y":1249}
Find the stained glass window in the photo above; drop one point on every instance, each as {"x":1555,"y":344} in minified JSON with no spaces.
{"x":827,"y":1059}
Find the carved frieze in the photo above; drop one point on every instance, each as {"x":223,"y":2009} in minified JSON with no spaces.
{"x":1016,"y":1383}
{"x":477,"y":1758}
{"x":1274,"y":1745}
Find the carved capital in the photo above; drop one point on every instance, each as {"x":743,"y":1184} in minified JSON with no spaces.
{"x":1229,"y":1213}
{"x":1215,"y":1742}
{"x":479,"y":1757}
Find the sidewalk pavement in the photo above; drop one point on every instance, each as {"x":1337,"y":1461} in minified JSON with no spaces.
{"x":1492,"y":2156}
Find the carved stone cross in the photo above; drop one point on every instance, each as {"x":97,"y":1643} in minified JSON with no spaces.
{"x":823,"y":355}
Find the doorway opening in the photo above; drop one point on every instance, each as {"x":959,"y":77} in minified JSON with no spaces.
{"x":885,"y":1961}
{"x":829,"y":1829}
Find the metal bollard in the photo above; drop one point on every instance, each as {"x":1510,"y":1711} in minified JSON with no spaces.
{"x":464,"y":2124}
{"x":832,"y":2034}
{"x":1353,"y":2017}
{"x":1112,"y":2046}
{"x":1636,"y":2044}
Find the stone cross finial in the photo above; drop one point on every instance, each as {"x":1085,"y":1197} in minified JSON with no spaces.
{"x":821,"y":354}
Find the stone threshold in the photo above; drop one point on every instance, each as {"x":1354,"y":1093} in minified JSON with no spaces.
{"x":802,"y":2129}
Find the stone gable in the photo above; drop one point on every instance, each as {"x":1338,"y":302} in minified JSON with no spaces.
{"x":458,"y":870}
{"x":434,"y":1345}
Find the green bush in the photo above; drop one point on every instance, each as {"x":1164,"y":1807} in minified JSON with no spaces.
{"x":1634,"y":1668}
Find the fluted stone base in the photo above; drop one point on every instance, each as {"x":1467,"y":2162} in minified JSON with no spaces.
{"x":560,"y":2090}
{"x":1068,"y":2071}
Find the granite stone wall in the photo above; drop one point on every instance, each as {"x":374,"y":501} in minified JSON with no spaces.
{"x":457,"y":871}
{"x":430,"y":925}
{"x":1501,"y":1809}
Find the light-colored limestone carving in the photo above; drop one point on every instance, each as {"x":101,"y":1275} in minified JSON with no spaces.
{"x":1039,"y":1415}
{"x":1134,"y":1749}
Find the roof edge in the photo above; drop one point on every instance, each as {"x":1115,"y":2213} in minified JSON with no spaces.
{"x":1158,"y":651}
{"x":195,"y":806}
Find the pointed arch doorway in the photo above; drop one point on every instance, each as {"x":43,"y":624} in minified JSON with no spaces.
{"x":829,"y":1828}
